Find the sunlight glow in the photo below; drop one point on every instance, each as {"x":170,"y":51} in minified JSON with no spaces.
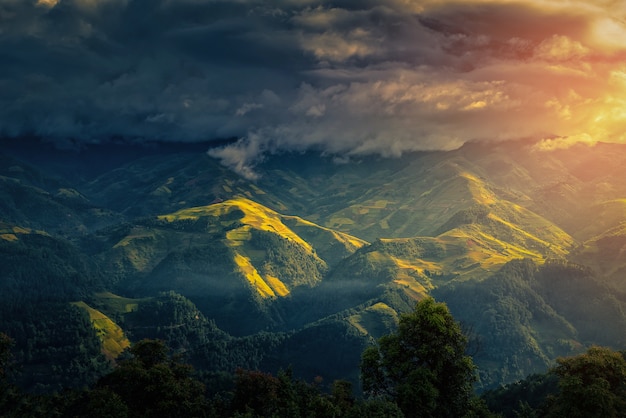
{"x":47,"y":3}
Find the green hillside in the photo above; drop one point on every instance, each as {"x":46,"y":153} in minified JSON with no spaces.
{"x":525,"y":315}
{"x":36,"y":200}
{"x":114,"y":342}
{"x":605,"y":253}
{"x":313,"y":261}
{"x":233,"y":258}
{"x":167,"y":183}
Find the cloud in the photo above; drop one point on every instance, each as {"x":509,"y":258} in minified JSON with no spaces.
{"x":551,"y":144}
{"x":241,"y":156}
{"x":47,"y":3}
{"x":561,"y":48}
{"x":344,"y":77}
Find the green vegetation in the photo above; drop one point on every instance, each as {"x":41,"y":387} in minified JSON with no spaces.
{"x":587,"y":385}
{"x":375,"y":320}
{"x":151,"y":383}
{"x":525,"y":315}
{"x":422,"y":366}
{"x":604,"y":254}
{"x":56,"y":347}
{"x":309,"y":265}
{"x":112,"y":336}
{"x":420,"y":370}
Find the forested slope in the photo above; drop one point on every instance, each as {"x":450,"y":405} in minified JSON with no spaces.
{"x":311,"y":257}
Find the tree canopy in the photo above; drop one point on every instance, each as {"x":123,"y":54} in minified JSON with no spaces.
{"x":422,"y":366}
{"x":591,"y":385}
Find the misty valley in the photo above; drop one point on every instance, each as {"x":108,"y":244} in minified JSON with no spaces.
{"x":292,"y":275}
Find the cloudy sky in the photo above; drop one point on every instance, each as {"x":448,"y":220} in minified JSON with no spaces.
{"x":346,"y":77}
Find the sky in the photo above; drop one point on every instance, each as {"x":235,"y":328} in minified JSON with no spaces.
{"x":345,"y":78}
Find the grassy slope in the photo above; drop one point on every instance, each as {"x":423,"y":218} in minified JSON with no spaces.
{"x":484,"y":233}
{"x":235,"y":258}
{"x":375,"y":320}
{"x":238,"y":218}
{"x":114,"y":341}
{"x":254,"y":216}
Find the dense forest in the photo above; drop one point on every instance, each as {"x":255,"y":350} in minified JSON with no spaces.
{"x":422,"y":370}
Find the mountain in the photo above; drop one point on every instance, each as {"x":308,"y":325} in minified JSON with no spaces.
{"x":525,"y":315}
{"x":604,"y":253}
{"x":316,"y":259}
{"x":234,"y":259}
{"x":37,"y":200}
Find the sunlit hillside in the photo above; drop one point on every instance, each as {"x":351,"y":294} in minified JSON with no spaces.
{"x":114,"y":342}
{"x":317,"y":257}
{"x":233,"y":257}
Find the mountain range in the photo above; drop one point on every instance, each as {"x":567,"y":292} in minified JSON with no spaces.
{"x":304,"y":267}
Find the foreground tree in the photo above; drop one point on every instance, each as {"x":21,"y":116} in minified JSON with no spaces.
{"x":591,"y":385}
{"x":422,"y":366}
{"x":151,"y":384}
{"x":6,"y":390}
{"x":6,"y":343}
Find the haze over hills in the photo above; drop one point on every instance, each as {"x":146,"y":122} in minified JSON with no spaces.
{"x":316,"y":258}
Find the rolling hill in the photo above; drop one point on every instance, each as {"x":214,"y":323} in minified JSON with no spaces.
{"x":318,"y":257}
{"x":234,"y":259}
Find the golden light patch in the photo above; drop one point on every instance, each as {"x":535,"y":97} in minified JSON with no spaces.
{"x":411,"y":288}
{"x":9,"y":237}
{"x":255,"y":216}
{"x":236,"y":237}
{"x":337,"y":222}
{"x":479,"y":192}
{"x":279,"y":287}
{"x":112,"y":337}
{"x":266,"y":219}
{"x":348,"y":241}
{"x":418,"y":265}
{"x":254,"y":278}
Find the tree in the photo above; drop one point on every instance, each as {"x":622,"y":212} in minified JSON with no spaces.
{"x":255,"y":392}
{"x":6,"y":343}
{"x":96,"y":403}
{"x":591,"y":385}
{"x":259,"y":394}
{"x":422,"y":366}
{"x":8,"y":393}
{"x":341,"y":395}
{"x":151,"y":384}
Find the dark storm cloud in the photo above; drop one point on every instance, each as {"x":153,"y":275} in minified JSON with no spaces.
{"x":159,"y":70}
{"x":345,"y":77}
